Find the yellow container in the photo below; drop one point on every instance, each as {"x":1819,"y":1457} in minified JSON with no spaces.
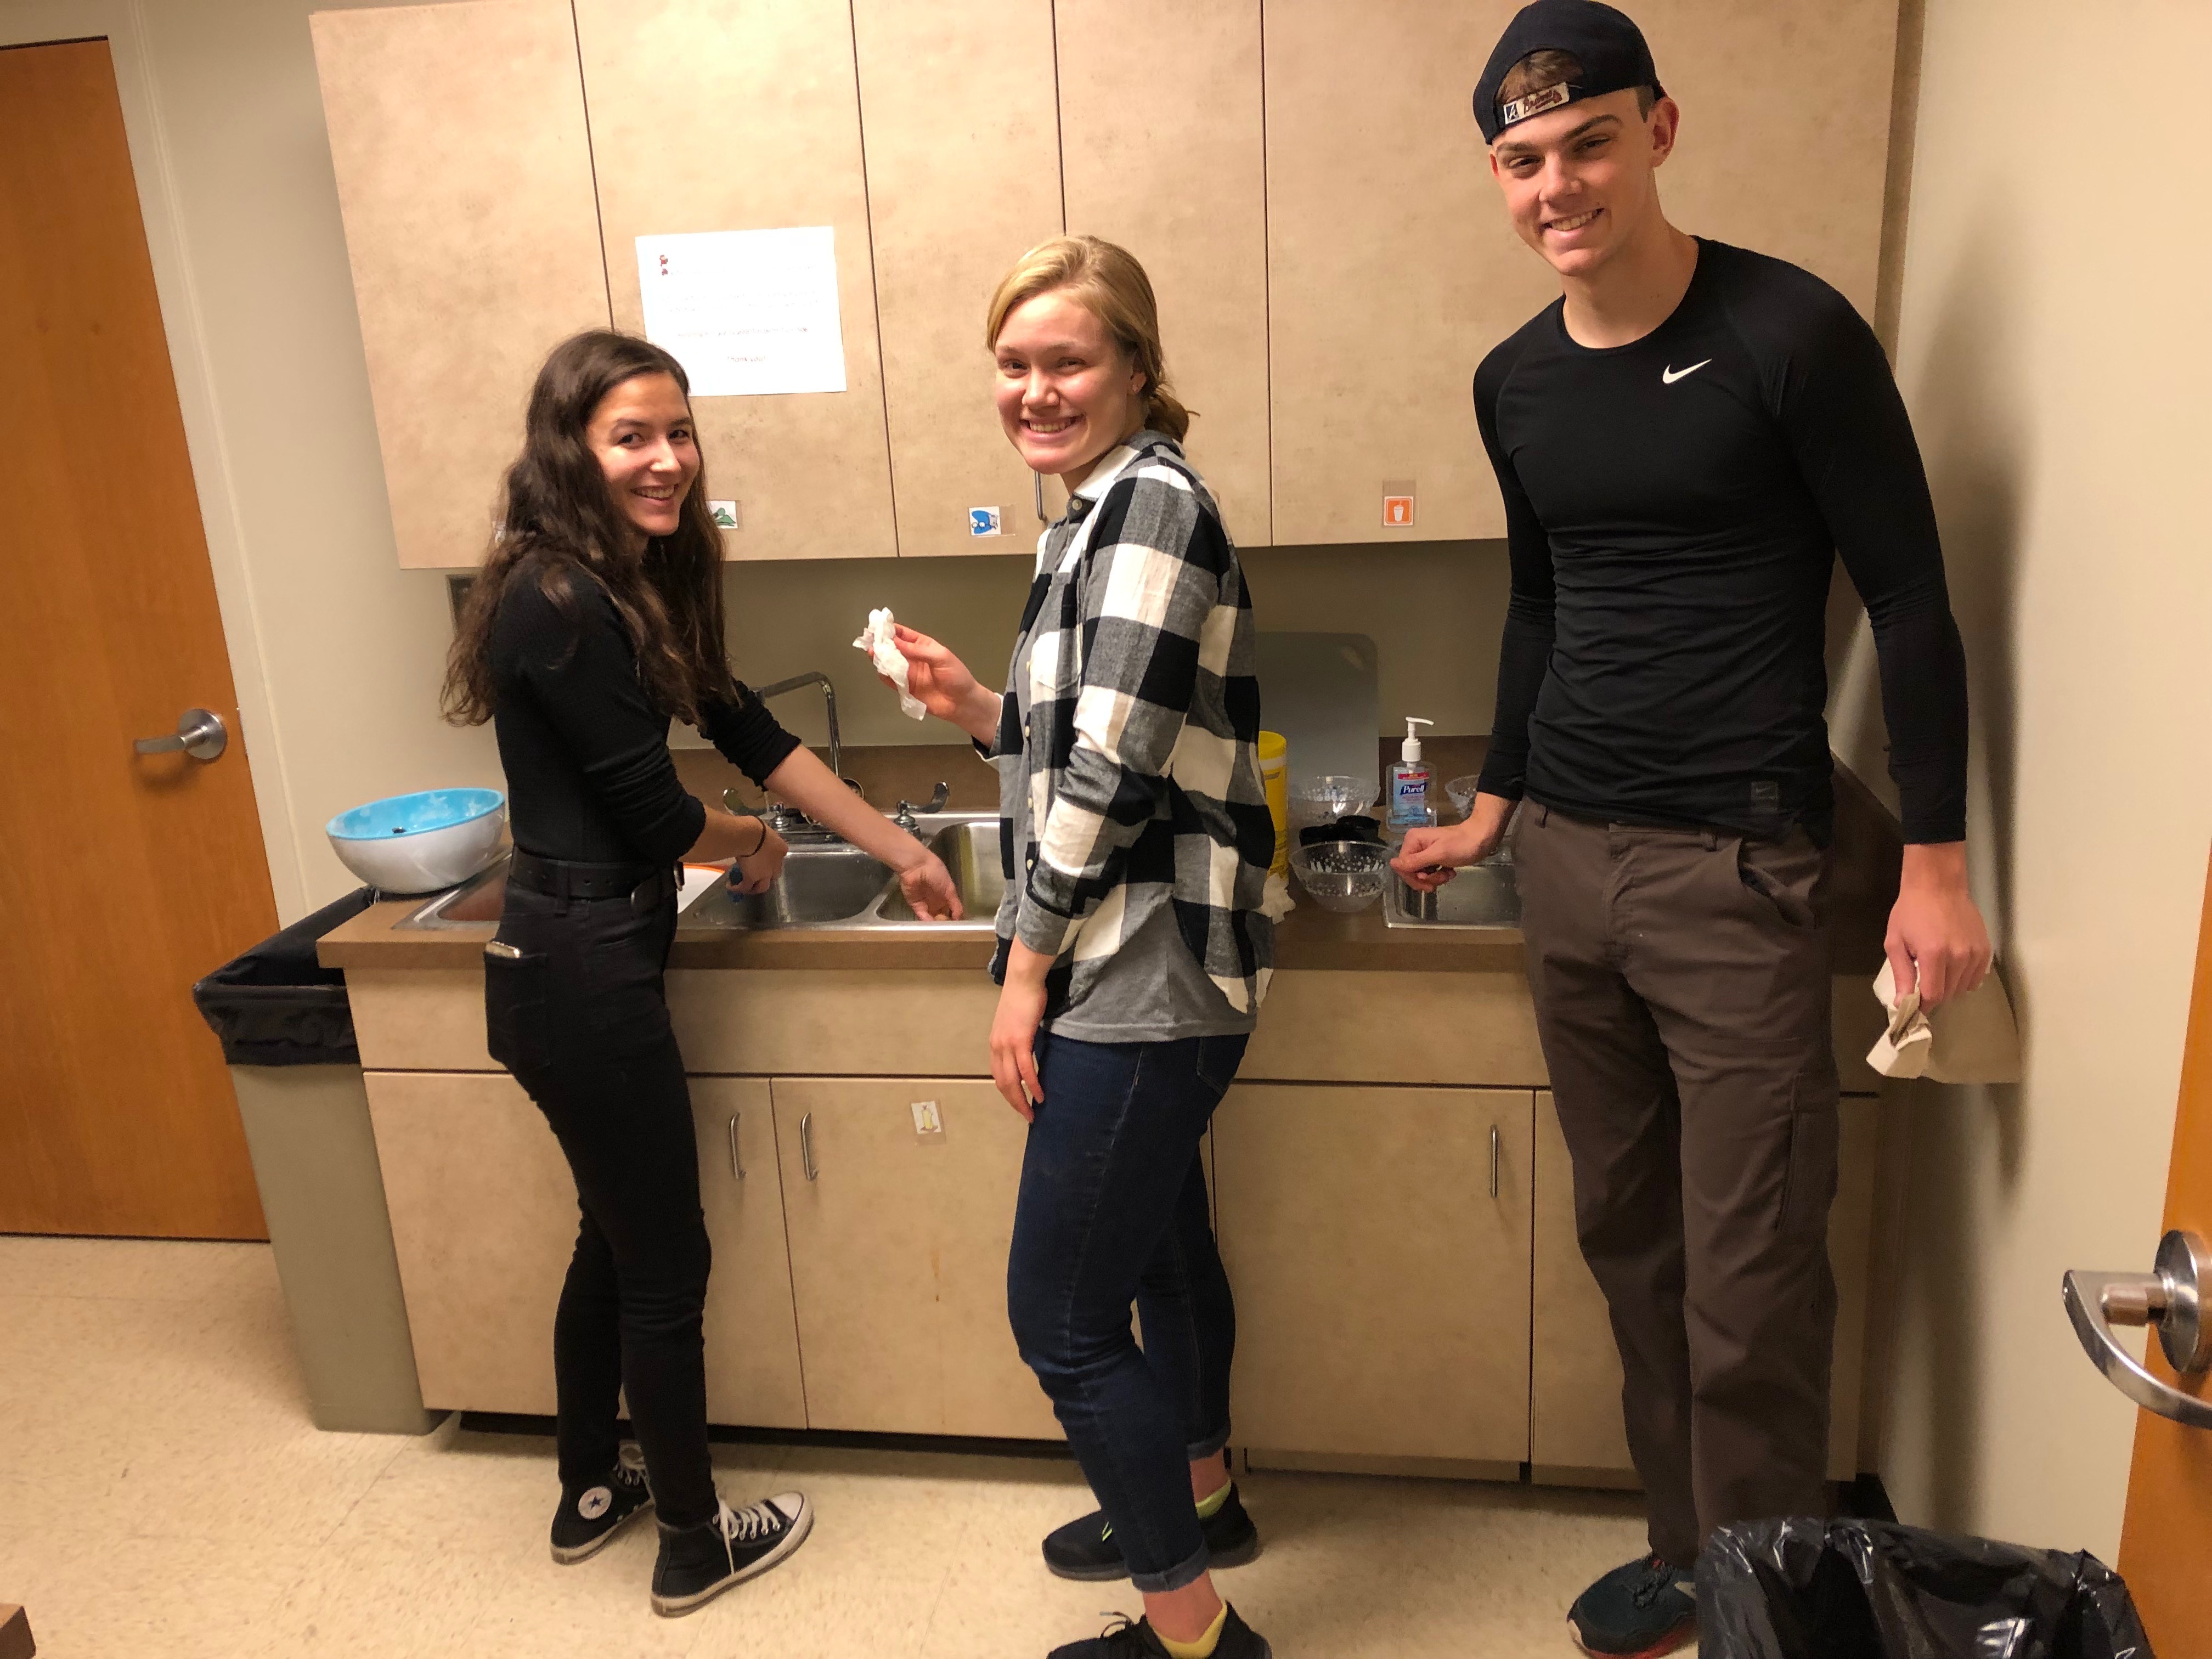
{"x":1275,"y":777}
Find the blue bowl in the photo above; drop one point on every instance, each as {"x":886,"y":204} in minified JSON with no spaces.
{"x":421,"y":842}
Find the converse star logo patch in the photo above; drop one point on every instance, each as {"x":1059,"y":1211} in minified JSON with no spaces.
{"x":595,"y":1502}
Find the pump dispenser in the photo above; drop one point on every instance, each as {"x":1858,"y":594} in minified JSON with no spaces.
{"x":1409,"y":780}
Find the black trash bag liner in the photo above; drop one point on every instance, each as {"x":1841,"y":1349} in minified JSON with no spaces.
{"x":1874,"y":1589}
{"x":276,"y":1005}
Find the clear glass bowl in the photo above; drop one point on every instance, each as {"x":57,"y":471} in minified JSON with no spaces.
{"x":1331,"y":796}
{"x":1342,"y":875}
{"x":1461,"y":791}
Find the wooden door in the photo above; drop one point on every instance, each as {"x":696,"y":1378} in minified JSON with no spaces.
{"x":2165,"y":1540}
{"x":1577,"y":1437}
{"x":959,"y":125}
{"x":1162,"y":142}
{"x":1382,"y":1286}
{"x":711,"y":115}
{"x":898,"y":1257}
{"x":752,"y":1335}
{"x":126,"y":877}
{"x":465,"y":178}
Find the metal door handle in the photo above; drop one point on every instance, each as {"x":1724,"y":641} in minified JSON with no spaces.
{"x":2171,"y":1297}
{"x":200,"y":734}
{"x":1494,"y":1139}
{"x":737,"y":1169}
{"x":806,"y":1145}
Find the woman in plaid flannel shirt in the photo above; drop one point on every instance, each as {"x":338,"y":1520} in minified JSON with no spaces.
{"x":1133,"y":949}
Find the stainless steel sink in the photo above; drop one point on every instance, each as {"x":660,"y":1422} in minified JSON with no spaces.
{"x":816,"y":886}
{"x":1480,"y":896}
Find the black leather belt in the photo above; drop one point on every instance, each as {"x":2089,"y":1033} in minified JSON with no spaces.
{"x":643,"y":884}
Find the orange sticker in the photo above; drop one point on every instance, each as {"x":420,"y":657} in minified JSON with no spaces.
{"x":1397,"y":512}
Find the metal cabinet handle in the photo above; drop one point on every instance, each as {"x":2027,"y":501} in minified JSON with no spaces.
{"x":1494,"y":1139}
{"x":200,"y":734}
{"x":737,"y":1168}
{"x":2170,"y":1297}
{"x":1037,"y":478}
{"x":806,"y":1145}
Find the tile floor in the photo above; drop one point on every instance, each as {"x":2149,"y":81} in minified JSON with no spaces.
{"x":163,"y":1496}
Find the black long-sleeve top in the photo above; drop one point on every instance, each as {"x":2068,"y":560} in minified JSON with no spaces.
{"x":585,"y":748}
{"x":1673,"y":508}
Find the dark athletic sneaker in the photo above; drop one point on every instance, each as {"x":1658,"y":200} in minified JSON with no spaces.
{"x":1637,"y":1611}
{"x":1085,"y":1549}
{"x":589,"y":1517}
{"x":697,"y":1564}
{"x":1123,"y":1640}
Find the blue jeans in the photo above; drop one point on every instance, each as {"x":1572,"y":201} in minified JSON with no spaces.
{"x":1113,"y":1208}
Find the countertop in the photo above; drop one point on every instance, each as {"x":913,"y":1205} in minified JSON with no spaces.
{"x":1864,"y":885}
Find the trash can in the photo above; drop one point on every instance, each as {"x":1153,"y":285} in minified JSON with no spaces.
{"x":1874,"y":1589}
{"x":287,"y":1032}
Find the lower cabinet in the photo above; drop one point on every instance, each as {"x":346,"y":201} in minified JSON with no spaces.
{"x":1378,"y":1242}
{"x":899,"y":1234}
{"x":483,"y":1220}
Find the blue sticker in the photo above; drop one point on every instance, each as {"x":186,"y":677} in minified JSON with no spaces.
{"x":982,"y":520}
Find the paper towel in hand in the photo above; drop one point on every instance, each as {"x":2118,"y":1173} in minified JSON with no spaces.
{"x":882,"y":646}
{"x":1973,"y":1038}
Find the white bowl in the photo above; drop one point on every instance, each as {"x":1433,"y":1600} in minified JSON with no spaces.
{"x":422,"y":843}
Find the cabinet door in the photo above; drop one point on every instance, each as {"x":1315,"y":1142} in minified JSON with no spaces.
{"x":1382,"y":1286}
{"x":1575,"y":1433}
{"x":483,"y":1220}
{"x":742,"y":115}
{"x":1163,"y":142}
{"x":752,"y":1335}
{"x":957,"y":121}
{"x":1390,"y":267}
{"x":465,"y":178}
{"x":898,"y":1254}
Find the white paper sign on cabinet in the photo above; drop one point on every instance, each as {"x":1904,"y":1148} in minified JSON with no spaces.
{"x":747,"y":312}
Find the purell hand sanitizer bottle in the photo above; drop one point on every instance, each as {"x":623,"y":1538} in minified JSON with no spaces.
{"x":1409,"y":781}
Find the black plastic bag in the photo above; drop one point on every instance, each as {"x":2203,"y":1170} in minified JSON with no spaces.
{"x":276,"y":1005}
{"x":1873,"y":1590}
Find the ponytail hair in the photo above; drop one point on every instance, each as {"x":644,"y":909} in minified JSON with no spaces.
{"x":1107,"y":281}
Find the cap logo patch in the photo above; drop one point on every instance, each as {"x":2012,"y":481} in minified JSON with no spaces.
{"x":1520,"y":109}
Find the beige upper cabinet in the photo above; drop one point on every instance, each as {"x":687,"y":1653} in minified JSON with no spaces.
{"x":465,"y":178}
{"x":957,"y":118}
{"x":1381,"y":1275}
{"x":1391,"y":269}
{"x":1161,"y":138}
{"x":710,"y":115}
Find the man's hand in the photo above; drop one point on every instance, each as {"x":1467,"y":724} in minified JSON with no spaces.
{"x":1429,"y":855}
{"x":942,"y":684}
{"x":1936,"y":941}
{"x":1014,"y":1028}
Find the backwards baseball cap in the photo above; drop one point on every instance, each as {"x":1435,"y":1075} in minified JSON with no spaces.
{"x":1609,"y":47}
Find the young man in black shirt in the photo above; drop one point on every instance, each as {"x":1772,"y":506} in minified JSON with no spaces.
{"x":1686,"y":441}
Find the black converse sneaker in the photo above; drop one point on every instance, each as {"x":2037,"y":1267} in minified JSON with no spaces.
{"x":590,"y":1517}
{"x":1123,"y":1640}
{"x":1085,"y":1549}
{"x":697,"y":1564}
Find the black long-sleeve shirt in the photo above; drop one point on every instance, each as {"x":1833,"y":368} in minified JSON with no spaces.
{"x":1673,"y":507}
{"x":585,"y":748}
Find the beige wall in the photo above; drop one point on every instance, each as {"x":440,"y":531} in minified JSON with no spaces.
{"x":338,"y":650}
{"x":2054,"y":346}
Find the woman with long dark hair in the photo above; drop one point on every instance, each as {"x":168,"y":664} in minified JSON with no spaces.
{"x":596,"y":619}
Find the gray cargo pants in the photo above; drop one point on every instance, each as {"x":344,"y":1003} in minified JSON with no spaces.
{"x":1681,"y":981}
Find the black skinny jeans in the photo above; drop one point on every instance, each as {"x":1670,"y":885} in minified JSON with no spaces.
{"x":581,"y":1020}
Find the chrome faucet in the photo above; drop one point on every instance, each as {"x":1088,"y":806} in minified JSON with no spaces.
{"x":784,"y":817}
{"x":904,"y":817}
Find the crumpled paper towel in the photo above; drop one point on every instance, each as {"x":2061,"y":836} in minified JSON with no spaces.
{"x":882,"y":646}
{"x":1275,"y":900}
{"x":1970,"y":1039}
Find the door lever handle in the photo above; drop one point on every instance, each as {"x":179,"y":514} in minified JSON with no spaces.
{"x":200,"y":734}
{"x":2171,"y":1297}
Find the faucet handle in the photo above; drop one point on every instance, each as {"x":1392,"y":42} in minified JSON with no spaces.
{"x":904,"y":817}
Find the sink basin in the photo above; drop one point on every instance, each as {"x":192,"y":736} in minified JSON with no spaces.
{"x":1480,"y":896}
{"x":970,"y":851}
{"x":816,"y":885}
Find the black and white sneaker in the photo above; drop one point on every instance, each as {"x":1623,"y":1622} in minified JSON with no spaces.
{"x":590,"y":1517}
{"x":1085,"y":1549}
{"x":697,"y":1564}
{"x":1123,"y":1640}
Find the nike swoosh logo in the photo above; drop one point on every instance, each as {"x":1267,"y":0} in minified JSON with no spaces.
{"x":1670,"y":375}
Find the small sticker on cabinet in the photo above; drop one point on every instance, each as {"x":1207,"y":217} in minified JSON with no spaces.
{"x":927,"y":1119}
{"x":724,"y":512}
{"x":1398,"y":507}
{"x":983,"y":521}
